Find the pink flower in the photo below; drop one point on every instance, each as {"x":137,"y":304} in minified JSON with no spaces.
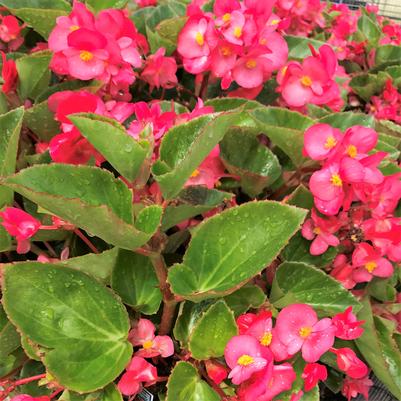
{"x":298,"y":328}
{"x":321,"y":231}
{"x":216,"y":371}
{"x":243,"y":355}
{"x":160,"y":71}
{"x":9,"y":74}
{"x":20,"y":225}
{"x":349,"y":363}
{"x":358,"y":141}
{"x":138,"y":371}
{"x":347,"y":325}
{"x":143,"y":334}
{"x":10,"y":31}
{"x":353,"y":387}
{"x":27,"y":397}
{"x":369,"y":263}
{"x":342,"y":271}
{"x":313,"y":372}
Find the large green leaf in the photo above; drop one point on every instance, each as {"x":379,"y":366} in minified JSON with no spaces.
{"x":99,"y":5}
{"x":33,"y":74}
{"x":39,"y":14}
{"x":109,"y":393}
{"x":367,"y":85}
{"x":230,"y":103}
{"x":348,"y":119}
{"x":387,"y":55}
{"x":228,"y":249}
{"x":369,"y":30}
{"x":90,"y":198}
{"x":110,"y":138}
{"x":248,"y":296}
{"x":184,"y":384}
{"x":285,"y":128}
{"x":380,"y":350}
{"x":185,"y":146}
{"x":9,"y":337}
{"x":298,"y":46}
{"x":302,"y":283}
{"x":83,"y":326}
{"x":134,"y":279}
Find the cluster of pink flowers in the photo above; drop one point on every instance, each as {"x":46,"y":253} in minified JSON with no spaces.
{"x":237,"y":42}
{"x":252,"y":356}
{"x":105,"y":48}
{"x":9,"y":74}
{"x":140,"y":372}
{"x":10,"y":32}
{"x":350,"y":179}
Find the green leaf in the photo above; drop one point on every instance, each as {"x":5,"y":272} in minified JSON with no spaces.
{"x":9,"y":337}
{"x":383,"y":289}
{"x":185,"y":146}
{"x":5,"y":239}
{"x":12,"y":362}
{"x":135,"y":281}
{"x":165,"y":11}
{"x":33,"y":368}
{"x":110,"y":138}
{"x":302,"y":283}
{"x":370,"y":30}
{"x":387,"y":55}
{"x":243,"y":155}
{"x":298,"y":46}
{"x":90,"y":198}
{"x":39,"y":14}
{"x":368,"y":85}
{"x":212,"y":332}
{"x":99,"y":5}
{"x":10,"y":128}
{"x":191,"y":201}
{"x":380,"y":350}
{"x":184,"y":384}
{"x":348,"y":119}
{"x":301,"y":197}
{"x":228,"y":249}
{"x":33,"y":74}
{"x":230,"y":103}
{"x":109,"y":393}
{"x":248,"y":296}
{"x":285,"y":128}
{"x":83,"y":326}
{"x":168,"y":31}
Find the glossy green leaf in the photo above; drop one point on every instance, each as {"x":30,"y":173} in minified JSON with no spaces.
{"x":33,"y":74}
{"x":135,"y":281}
{"x":212,"y":332}
{"x":348,"y":119}
{"x":164,"y":11}
{"x":9,"y":337}
{"x":184,"y":384}
{"x":247,"y":297}
{"x":285,"y":128}
{"x":244,"y":156}
{"x":370,"y":30}
{"x":302,"y":283}
{"x":12,"y":362}
{"x":90,"y":198}
{"x":109,"y":393}
{"x":33,"y":368}
{"x":99,"y":5}
{"x":83,"y":326}
{"x":185,"y":146}
{"x":230,"y":103}
{"x":228,"y":249}
{"x":380,"y":350}
{"x":383,"y":289}
{"x":168,"y":31}
{"x":298,"y":46}
{"x":121,"y":150}
{"x":367,"y":85}
{"x":192,"y":201}
{"x":387,"y":55}
{"x":301,"y":197}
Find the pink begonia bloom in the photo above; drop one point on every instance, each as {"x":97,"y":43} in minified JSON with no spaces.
{"x":160,"y":71}
{"x":369,"y":263}
{"x":349,"y":363}
{"x":138,"y":371}
{"x":321,"y":231}
{"x":279,"y":350}
{"x":27,"y":397}
{"x":199,"y":110}
{"x":10,"y":32}
{"x":347,"y":325}
{"x":342,"y":271}
{"x":146,"y":3}
{"x":358,"y":141}
{"x":192,"y":42}
{"x":243,"y":355}
{"x":313,"y":372}
{"x":143,"y":334}
{"x":321,"y":141}
{"x":9,"y":74}
{"x":20,"y":225}
{"x":216,"y":371}
{"x":353,"y":387}
{"x":298,"y":328}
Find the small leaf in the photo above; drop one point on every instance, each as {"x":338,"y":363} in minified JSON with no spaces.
{"x":302,"y":283}
{"x":387,"y":55}
{"x":298,"y":46}
{"x":212,"y":332}
{"x":249,"y":296}
{"x":230,"y":103}
{"x":82,"y":324}
{"x":228,"y":249}
{"x":184,"y":384}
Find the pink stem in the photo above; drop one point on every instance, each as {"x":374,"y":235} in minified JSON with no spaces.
{"x":86,"y":240}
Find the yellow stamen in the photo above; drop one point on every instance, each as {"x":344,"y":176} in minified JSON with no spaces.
{"x":317,"y":230}
{"x":266,"y":339}
{"x":226,"y":17}
{"x":263,"y":41}
{"x":74,"y":28}
{"x":370,"y":266}
{"x":200,"y":40}
{"x":147,"y":344}
{"x":225,"y":51}
{"x":85,"y":56}
{"x":237,"y":31}
{"x":274,"y":22}
{"x":305,"y":331}
{"x":195,"y":173}
{"x":251,"y":63}
{"x":336,"y":180}
{"x":330,"y":142}
{"x":245,"y":360}
{"x":306,"y":81}
{"x":352,"y":151}
{"x":284,"y":70}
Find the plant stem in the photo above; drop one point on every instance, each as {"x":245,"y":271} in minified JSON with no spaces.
{"x":92,"y":247}
{"x":29,"y":379}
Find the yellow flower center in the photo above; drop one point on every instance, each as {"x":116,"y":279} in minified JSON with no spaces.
{"x":263,"y":41}
{"x":352,"y":151}
{"x":237,"y":31}
{"x":147,"y":344}
{"x":74,"y":28}
{"x":306,"y":81}
{"x":330,"y":142}
{"x":284,"y":70}
{"x":266,"y":339}
{"x":85,"y":56}
{"x":225,"y":51}
{"x":305,"y":331}
{"x":251,"y":64}
{"x":226,"y":17}
{"x":245,"y":360}
{"x":195,"y":173}
{"x":274,"y":22}
{"x":336,"y":180}
{"x":200,"y":40}
{"x":317,"y":230}
{"x":370,"y":266}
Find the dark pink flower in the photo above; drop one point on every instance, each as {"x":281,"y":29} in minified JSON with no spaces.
{"x":313,"y":372}
{"x":342,"y":271}
{"x":353,"y":387}
{"x":347,"y":326}
{"x":216,"y":371}
{"x":9,"y":74}
{"x":27,"y":397}
{"x":349,"y":363}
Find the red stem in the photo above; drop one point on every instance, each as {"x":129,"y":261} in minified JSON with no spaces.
{"x":86,"y":240}
{"x":29,"y":379}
